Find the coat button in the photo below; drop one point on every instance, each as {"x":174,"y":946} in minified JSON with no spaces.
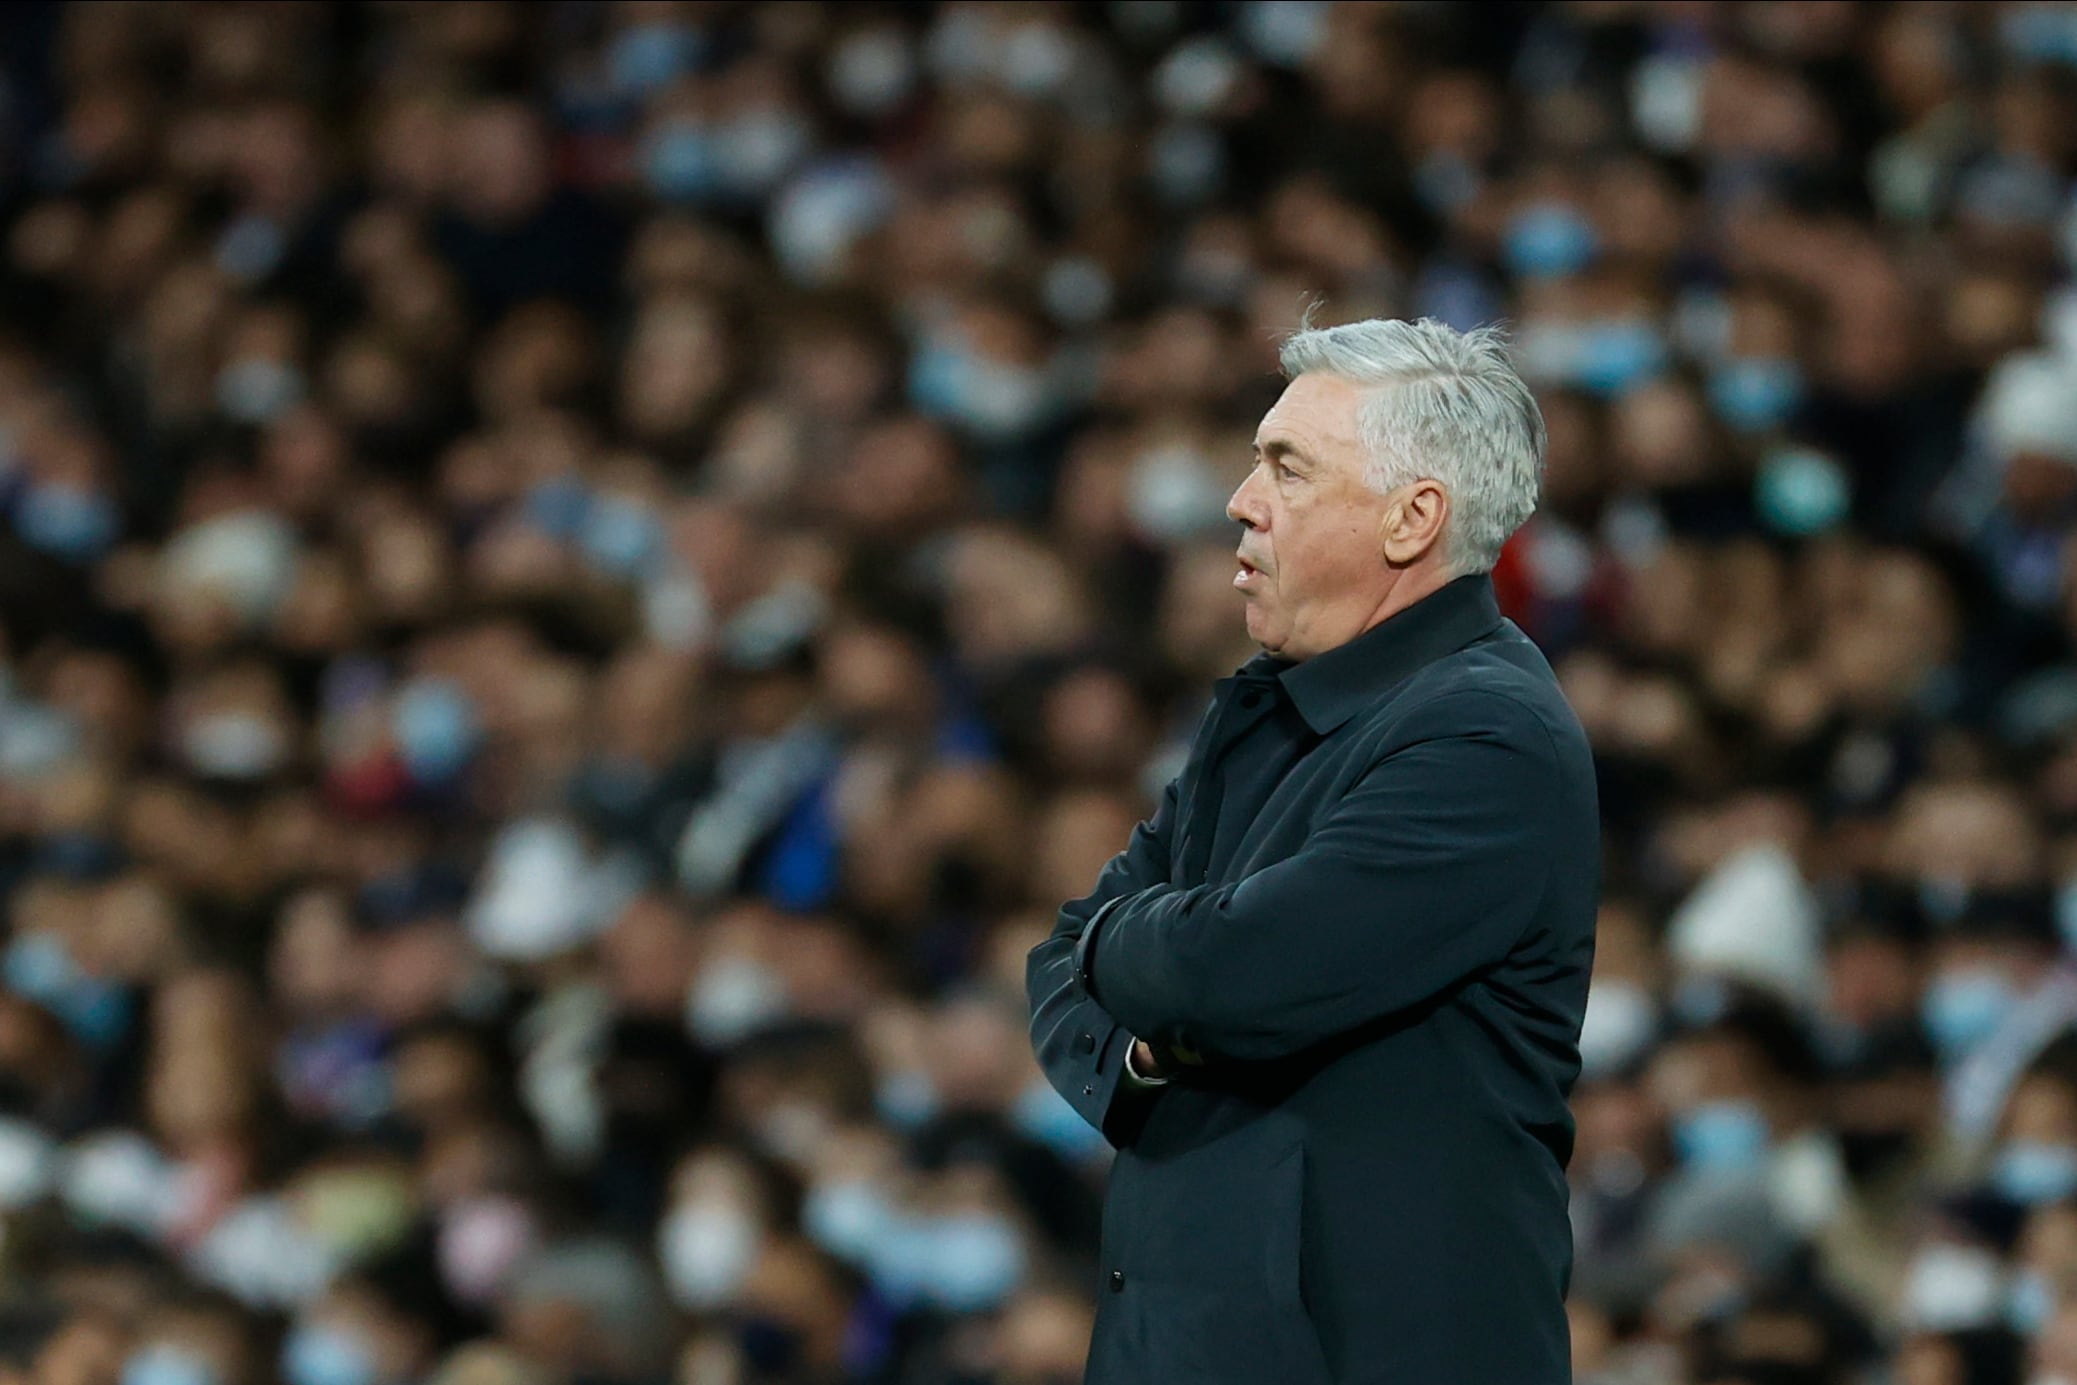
{"x":1086,"y":1043}
{"x":1089,"y":1089}
{"x":1117,"y":1281}
{"x":1251,"y":699}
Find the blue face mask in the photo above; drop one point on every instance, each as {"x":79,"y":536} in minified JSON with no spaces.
{"x":681,"y":163}
{"x":165,"y":1364}
{"x":851,"y":1220}
{"x":38,"y":966}
{"x":77,"y":525}
{"x":2029,"y":1303}
{"x":557,"y":506}
{"x":1799,"y":492}
{"x":621,"y":536}
{"x":1048,"y":1117}
{"x":2042,"y":33}
{"x":1963,"y":1008}
{"x":906,"y":1100}
{"x":1721,"y":1136}
{"x":1619,"y":355}
{"x":970,"y":1262}
{"x":436,"y":730}
{"x":1547,"y":241}
{"x":2030,"y":1172}
{"x":1756,"y":393}
{"x":644,"y":57}
{"x":319,"y":1355}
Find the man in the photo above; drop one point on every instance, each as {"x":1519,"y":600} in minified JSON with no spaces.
{"x":1327,"y":1002}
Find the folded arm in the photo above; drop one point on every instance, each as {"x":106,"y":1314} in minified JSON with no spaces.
{"x":1425,"y":874}
{"x":1081,"y":1047}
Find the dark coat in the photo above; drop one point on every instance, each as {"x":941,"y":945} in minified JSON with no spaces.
{"x":1367,"y":904}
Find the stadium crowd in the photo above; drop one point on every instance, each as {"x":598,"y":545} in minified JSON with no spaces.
{"x":578,"y":582}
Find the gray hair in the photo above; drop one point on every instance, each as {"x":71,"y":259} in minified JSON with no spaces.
{"x":1449,"y":407}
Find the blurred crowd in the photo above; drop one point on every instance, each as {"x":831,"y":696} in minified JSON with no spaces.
{"x":578,"y":581}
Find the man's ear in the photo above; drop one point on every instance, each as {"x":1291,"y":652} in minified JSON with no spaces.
{"x":1413,"y":522}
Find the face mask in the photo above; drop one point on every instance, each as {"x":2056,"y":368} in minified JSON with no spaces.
{"x":2029,"y":1303}
{"x":1756,"y":393}
{"x":2041,"y":33}
{"x":1952,"y":1288}
{"x":680,"y":162}
{"x":995,"y":400}
{"x":2031,"y":1173}
{"x":733,"y":997}
{"x":1799,"y":492}
{"x":906,"y":1100}
{"x":1172,"y":496}
{"x":970,"y":1262}
{"x":1284,"y":33}
{"x":234,"y":745}
{"x":39,"y":966}
{"x":1547,"y":241}
{"x":646,"y":57}
{"x":162,"y":1363}
{"x":557,"y":506}
{"x":758,"y":148}
{"x":707,"y":1252}
{"x":316,"y":1354}
{"x":621,"y":536}
{"x":1963,"y":1008}
{"x":1617,"y":356}
{"x":28,"y":1162}
{"x":1048,"y":1117}
{"x":480,"y":1242}
{"x":436,"y":729}
{"x":256,"y":391}
{"x":849,"y":1219}
{"x":872,"y":72}
{"x":1721,"y":1136}
{"x":251,"y":248}
{"x":1187,"y":163}
{"x":77,"y":525}
{"x":1037,"y":60}
{"x":823,"y":213}
{"x":1196,"y":77}
{"x":1076,"y":291}
{"x":1620,"y":1023}
{"x":1446,"y":182}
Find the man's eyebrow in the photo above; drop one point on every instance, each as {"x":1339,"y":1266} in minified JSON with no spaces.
{"x":1277,"y":447}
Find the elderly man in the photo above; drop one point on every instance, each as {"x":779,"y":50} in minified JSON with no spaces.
{"x":1326,"y":1003}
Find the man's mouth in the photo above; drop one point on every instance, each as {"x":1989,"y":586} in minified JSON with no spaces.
{"x":1247,"y":574}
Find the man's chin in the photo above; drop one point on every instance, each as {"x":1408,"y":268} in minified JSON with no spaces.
{"x":1259,"y":628}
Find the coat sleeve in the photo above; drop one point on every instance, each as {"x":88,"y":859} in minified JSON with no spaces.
{"x":1428,"y":872}
{"x":1082,"y":1048}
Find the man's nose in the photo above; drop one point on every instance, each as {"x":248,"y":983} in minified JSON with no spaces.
{"x":1245,"y":505}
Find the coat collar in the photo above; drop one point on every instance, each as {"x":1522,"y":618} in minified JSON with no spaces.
{"x":1330,"y":688}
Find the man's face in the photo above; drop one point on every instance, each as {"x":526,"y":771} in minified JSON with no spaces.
{"x":1313,"y":570}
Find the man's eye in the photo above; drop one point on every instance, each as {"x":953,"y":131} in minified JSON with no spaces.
{"x":1284,"y":472}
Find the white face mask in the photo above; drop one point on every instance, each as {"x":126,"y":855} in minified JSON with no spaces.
{"x":707,"y":1251}
{"x":732,"y":997}
{"x":234,"y":745}
{"x":1620,"y":1021}
{"x":1952,"y":1288}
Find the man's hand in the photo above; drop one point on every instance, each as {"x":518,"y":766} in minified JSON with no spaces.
{"x":1158,"y":1065}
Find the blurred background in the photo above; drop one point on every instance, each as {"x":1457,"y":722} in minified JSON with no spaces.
{"x":578,"y":581}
